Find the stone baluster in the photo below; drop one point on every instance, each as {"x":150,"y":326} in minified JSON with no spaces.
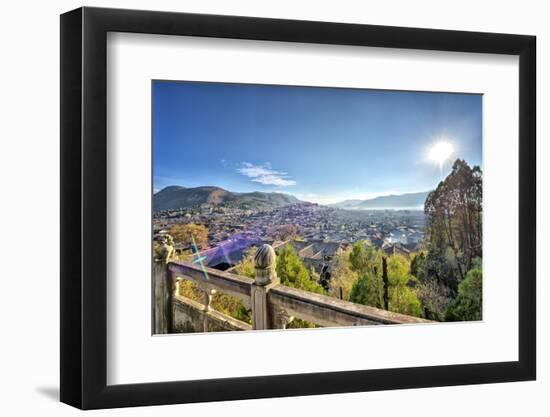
{"x":178,"y":284}
{"x":280,"y":319}
{"x":163,"y":286}
{"x":266,"y":278}
{"x":207,"y":301}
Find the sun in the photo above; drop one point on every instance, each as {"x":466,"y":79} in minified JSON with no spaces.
{"x":440,"y":152}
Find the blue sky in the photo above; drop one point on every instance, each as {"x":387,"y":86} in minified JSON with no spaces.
{"x":319,"y":144}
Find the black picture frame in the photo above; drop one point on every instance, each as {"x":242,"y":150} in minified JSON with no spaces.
{"x":84,"y":207}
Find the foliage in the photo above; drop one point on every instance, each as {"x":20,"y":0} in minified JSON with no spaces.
{"x":185,"y":256}
{"x":223,"y":303}
{"x":417,"y":264}
{"x":190,"y":289}
{"x":182,"y":234}
{"x":298,"y":323}
{"x":368,"y":290}
{"x":247,"y":267}
{"x":453,"y":247}
{"x":454,"y":232}
{"x":231,"y":306}
{"x":342,"y":277}
{"x":365,"y":258}
{"x":366,"y":261}
{"x":439,"y":266}
{"x":468,"y":304}
{"x":402,"y":298}
{"x":434,"y":297}
{"x":358,"y":257}
{"x":293,"y":273}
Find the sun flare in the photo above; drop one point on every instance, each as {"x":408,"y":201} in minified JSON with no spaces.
{"x":440,"y":152}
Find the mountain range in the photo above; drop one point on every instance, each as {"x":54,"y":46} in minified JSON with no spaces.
{"x":401,"y":201}
{"x":175,"y":197}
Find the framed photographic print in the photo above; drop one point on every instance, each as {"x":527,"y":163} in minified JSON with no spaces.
{"x":258,"y":207}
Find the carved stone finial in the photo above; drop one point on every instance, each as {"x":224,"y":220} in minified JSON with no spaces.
{"x":265,"y":262}
{"x":164,"y":249}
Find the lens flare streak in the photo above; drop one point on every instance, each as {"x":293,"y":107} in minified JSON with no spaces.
{"x":199,"y":258}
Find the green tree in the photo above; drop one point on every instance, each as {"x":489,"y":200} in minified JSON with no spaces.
{"x":467,"y":305}
{"x":454,"y":230}
{"x":182,"y":234}
{"x":368,"y":290}
{"x":417,"y":264}
{"x":358,"y":257}
{"x":435,"y":299}
{"x":402,"y":298}
{"x":293,"y":273}
{"x":366,"y":262}
{"x":365,"y":258}
{"x":247,"y":266}
{"x":342,"y":277}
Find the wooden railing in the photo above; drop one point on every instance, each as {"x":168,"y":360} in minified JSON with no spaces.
{"x":273,"y":305}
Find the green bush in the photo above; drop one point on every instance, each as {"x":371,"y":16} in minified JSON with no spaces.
{"x":467,"y":306}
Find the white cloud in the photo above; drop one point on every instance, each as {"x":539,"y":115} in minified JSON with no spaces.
{"x":264,"y":174}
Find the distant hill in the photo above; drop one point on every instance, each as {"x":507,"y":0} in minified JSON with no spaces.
{"x":175,"y":197}
{"x":401,"y":201}
{"x":347,"y":203}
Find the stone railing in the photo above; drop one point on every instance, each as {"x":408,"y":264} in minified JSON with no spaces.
{"x":273,"y":305}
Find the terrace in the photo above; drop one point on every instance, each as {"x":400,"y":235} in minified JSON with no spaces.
{"x":273,"y":305}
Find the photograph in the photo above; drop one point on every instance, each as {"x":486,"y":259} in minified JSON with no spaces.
{"x":306,"y":207}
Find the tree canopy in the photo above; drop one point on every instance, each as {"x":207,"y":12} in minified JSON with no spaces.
{"x":182,"y":234}
{"x":453,"y":243}
{"x":367,"y":262}
{"x":402,"y":298}
{"x":454,"y":230}
{"x":293,"y":273}
{"x":342,"y":277}
{"x":467,"y":306}
{"x":247,"y":267}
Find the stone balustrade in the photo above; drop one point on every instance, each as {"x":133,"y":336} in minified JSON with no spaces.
{"x":273,"y":305}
